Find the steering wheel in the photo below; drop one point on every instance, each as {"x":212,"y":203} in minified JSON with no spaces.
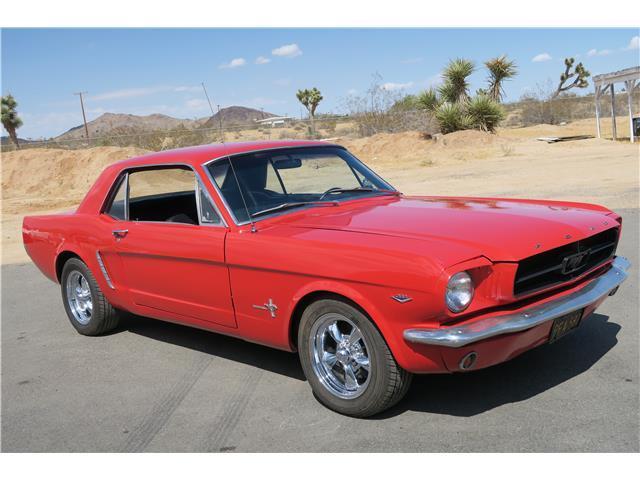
{"x":331,"y":190}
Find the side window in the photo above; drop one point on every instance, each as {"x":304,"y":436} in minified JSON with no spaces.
{"x":118,"y":204}
{"x":273,"y":181}
{"x":171,"y":194}
{"x":163,"y":195}
{"x":208,"y":214}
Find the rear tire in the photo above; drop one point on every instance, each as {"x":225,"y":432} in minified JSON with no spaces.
{"x":88,"y":310}
{"x":347,"y":361}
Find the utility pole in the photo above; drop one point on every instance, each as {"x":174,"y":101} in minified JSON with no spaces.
{"x":208,"y":101}
{"x":84,"y":117}
{"x":220,"y":120}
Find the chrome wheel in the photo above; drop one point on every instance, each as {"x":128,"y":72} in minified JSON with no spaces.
{"x":79,"y":297}
{"x":339,"y":355}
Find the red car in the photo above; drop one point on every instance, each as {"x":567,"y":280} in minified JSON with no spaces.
{"x":300,"y":246}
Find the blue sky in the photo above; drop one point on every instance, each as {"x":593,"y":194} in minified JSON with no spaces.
{"x":142,"y":71}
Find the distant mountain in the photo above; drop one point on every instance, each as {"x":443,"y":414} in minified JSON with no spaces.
{"x":236,"y":115}
{"x":121,"y":123}
{"x":5,"y":140}
{"x":127,"y":124}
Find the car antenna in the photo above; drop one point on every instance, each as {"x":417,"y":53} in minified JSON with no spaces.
{"x":233,"y":170}
{"x":244,"y":202}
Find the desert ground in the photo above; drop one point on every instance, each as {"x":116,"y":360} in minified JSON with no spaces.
{"x":511,"y":163}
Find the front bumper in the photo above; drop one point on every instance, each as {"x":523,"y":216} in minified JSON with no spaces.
{"x":459,"y":336}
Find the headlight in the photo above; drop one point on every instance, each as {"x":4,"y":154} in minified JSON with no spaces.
{"x":459,"y":292}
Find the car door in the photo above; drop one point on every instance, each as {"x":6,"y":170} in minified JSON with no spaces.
{"x":170,"y":239}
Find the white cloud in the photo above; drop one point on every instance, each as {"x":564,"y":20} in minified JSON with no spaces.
{"x":290,"y":51}
{"x":139,"y":92}
{"x":187,"y":89}
{"x":235,"y":63}
{"x":541,"y":57}
{"x":634,"y":43}
{"x":352,"y":91}
{"x":262,"y":60}
{"x":197,"y":104}
{"x":396,"y":86}
{"x":434,"y":80}
{"x":598,"y":53}
{"x":126,"y":93}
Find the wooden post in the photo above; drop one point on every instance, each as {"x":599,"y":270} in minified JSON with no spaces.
{"x":84,"y":117}
{"x":598,"y":90}
{"x":629,"y":85}
{"x":613,"y":113}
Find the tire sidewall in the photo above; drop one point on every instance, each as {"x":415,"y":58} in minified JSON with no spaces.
{"x":376,"y":347}
{"x":91,"y":328}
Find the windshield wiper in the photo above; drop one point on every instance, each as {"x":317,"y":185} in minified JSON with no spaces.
{"x":287,"y":205}
{"x":360,"y":189}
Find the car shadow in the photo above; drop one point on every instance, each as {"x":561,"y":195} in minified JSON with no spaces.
{"x":533,"y":372}
{"x":460,"y":394}
{"x":259,"y":356}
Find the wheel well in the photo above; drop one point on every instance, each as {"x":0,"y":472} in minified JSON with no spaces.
{"x":307,"y":300}
{"x":63,"y":257}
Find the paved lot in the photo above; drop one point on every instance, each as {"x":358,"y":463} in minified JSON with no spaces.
{"x":153,"y":386}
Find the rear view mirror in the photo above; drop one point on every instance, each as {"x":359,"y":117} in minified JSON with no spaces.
{"x":284,"y":162}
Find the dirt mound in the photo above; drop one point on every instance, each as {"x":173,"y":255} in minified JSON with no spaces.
{"x":33,"y":179}
{"x":466,"y":138}
{"x":388,"y":146}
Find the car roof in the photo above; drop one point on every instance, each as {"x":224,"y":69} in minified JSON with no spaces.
{"x":203,"y":153}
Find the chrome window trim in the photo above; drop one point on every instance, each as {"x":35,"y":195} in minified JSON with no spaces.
{"x":160,"y":166}
{"x":205,"y":167}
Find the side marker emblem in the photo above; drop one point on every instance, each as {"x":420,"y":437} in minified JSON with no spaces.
{"x":401,"y":298}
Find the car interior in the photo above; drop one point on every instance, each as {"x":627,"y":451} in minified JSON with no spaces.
{"x":172,"y":204}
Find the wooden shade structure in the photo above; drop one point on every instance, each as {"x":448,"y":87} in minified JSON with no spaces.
{"x":631,"y":79}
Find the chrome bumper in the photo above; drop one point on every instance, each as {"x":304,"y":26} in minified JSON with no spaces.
{"x":459,"y":336}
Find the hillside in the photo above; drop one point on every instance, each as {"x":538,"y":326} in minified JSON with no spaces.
{"x":117,"y":123}
{"x":5,"y":140}
{"x":236,"y":115}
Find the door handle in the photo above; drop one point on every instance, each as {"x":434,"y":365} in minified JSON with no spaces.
{"x":119,"y":234}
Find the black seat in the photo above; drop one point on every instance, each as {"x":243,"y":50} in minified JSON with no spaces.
{"x":181,"y":218}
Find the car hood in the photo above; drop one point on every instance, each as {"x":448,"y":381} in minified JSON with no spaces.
{"x":501,"y":230}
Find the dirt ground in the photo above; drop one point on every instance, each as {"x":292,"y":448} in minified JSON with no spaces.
{"x":511,"y":163}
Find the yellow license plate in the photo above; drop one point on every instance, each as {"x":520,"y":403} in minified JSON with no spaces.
{"x":564,"y":324}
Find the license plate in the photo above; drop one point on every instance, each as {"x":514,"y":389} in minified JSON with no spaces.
{"x":564,"y":324}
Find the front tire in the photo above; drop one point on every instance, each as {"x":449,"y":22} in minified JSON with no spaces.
{"x":347,"y":362}
{"x":88,"y":310}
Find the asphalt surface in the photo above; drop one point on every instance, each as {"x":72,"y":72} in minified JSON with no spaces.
{"x":153,"y":386}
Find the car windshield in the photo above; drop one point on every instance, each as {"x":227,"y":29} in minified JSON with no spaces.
{"x":274,"y":181}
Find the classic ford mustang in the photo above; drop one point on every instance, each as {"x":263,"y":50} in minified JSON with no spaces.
{"x":299,"y":246}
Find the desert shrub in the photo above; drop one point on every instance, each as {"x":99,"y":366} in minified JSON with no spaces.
{"x":329,"y":126}
{"x":452,"y":117}
{"x":485,"y":113}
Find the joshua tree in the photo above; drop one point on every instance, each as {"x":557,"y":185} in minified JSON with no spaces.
{"x":10,"y":120}
{"x":580,"y":73}
{"x":310,"y":99}
{"x":500,"y":69}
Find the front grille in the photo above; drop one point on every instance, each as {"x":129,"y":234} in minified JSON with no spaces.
{"x":562,"y":264}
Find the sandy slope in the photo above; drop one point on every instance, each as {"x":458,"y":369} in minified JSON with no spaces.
{"x":512,"y":163}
